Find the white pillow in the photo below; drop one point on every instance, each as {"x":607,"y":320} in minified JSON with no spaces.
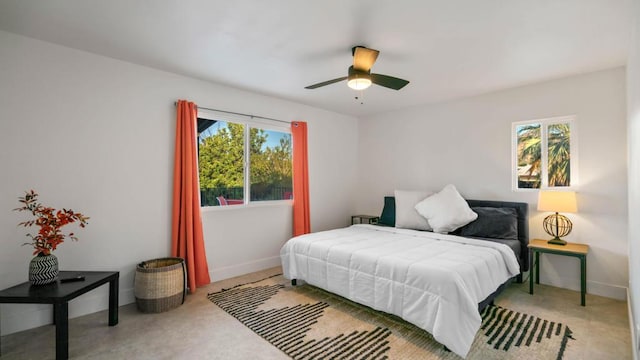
{"x":406,"y":215}
{"x":446,"y":210}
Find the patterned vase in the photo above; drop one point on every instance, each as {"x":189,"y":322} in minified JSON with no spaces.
{"x":43,"y":269}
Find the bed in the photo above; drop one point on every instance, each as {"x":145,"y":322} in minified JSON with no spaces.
{"x":438,"y":282}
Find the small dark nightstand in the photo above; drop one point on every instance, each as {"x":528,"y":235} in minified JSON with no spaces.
{"x":537,"y":246}
{"x":364,"y":219}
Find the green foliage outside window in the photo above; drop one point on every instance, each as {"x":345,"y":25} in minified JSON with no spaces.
{"x":221,"y":158}
{"x":559,"y":150}
{"x":221,"y":164}
{"x":270,"y":168}
{"x":529,"y":156}
{"x":530,"y":152}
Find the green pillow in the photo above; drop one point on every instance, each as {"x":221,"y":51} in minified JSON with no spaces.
{"x":388,"y":217}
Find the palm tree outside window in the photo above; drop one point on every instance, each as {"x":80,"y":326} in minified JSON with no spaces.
{"x":544,"y":154}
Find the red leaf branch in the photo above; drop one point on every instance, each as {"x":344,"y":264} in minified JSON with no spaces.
{"x":50,"y":221}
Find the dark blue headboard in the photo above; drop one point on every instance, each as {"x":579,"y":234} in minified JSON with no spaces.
{"x":522,"y":210}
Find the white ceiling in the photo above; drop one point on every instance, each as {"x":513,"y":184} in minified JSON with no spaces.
{"x":446,"y":48}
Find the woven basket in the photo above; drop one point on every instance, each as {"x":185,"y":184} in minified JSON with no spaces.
{"x":160,"y":284}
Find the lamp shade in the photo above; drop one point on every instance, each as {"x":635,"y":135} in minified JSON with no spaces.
{"x":557,"y":201}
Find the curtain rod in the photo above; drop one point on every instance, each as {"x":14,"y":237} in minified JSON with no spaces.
{"x":237,"y":113}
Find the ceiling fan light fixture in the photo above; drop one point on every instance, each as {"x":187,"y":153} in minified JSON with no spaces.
{"x":360,"y":77}
{"x":359,"y":83}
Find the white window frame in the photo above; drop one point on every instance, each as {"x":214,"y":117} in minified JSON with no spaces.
{"x":573,"y":144}
{"x":248,"y":122}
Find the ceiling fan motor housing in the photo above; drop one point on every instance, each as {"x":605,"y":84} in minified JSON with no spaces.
{"x":355,"y":73}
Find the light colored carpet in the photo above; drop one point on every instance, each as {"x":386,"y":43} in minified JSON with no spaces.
{"x":308,"y":323}
{"x":201,"y":330}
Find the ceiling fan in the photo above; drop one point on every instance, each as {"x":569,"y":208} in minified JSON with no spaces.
{"x":360,"y":76}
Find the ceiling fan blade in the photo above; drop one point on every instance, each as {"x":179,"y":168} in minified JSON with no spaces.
{"x":388,"y":81}
{"x":363,"y":58}
{"x":329,"y":82}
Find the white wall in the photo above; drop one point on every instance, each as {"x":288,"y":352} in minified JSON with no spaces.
{"x":633,"y":113}
{"x":468,"y":143}
{"x":96,"y":135}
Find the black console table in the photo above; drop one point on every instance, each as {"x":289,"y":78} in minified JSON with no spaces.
{"x":59,"y":294}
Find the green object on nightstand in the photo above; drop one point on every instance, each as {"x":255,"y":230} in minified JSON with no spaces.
{"x":364,"y":219}
{"x":537,"y":246}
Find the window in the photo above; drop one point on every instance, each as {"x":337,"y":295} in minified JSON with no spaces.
{"x":237,"y":156}
{"x":544,"y":153}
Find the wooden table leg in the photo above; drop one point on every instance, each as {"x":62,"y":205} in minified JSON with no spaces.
{"x":61,"y":311}
{"x":113,"y":302}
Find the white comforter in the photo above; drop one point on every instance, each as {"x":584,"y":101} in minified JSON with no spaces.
{"x":432,"y":280}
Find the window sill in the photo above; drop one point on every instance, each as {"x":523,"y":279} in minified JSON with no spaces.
{"x":255,"y":204}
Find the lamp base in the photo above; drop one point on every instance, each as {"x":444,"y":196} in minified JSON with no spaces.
{"x":557,"y":225}
{"x":557,"y":241}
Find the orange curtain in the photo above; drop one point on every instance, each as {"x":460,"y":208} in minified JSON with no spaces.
{"x":187,"y":240}
{"x":301,"y":217}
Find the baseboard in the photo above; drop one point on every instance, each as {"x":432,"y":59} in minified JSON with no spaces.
{"x":20,"y":317}
{"x":593,"y":287}
{"x":227,"y":272}
{"x":635,"y":331}
{"x":607,"y":290}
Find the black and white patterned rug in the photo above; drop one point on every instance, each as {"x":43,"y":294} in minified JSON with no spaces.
{"x":308,"y":323}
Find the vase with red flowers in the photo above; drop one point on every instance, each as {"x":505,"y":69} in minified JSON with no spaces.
{"x":43,"y":268}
